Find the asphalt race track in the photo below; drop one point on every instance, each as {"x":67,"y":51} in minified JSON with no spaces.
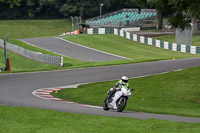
{"x":72,"y":50}
{"x":16,"y":89}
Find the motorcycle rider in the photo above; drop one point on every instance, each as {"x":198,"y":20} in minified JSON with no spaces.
{"x":116,"y":88}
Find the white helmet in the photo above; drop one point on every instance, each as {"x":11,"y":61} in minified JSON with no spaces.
{"x":124,"y":80}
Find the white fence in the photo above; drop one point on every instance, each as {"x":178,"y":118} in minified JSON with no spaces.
{"x":56,"y":60}
{"x":158,"y":43}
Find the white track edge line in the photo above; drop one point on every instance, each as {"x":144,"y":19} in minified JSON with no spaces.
{"x":93,"y":49}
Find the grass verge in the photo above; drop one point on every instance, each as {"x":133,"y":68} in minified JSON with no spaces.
{"x":108,"y":43}
{"x":21,"y":64}
{"x":34,"y":28}
{"x":171,"y":93}
{"x":29,"y":120}
{"x":171,"y":38}
{"x":127,"y":48}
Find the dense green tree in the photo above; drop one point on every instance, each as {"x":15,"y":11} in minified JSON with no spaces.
{"x":80,"y":8}
{"x":159,"y":5}
{"x":12,"y":2}
{"x":32,"y":6}
{"x":47,"y":4}
{"x":42,"y":8}
{"x":185,"y":11}
{"x":51,"y":8}
{"x":9,"y":10}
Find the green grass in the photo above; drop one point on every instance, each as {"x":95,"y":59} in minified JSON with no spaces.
{"x":171,"y":38}
{"x":29,"y":120}
{"x":33,"y":28}
{"x":68,"y":62}
{"x":127,"y":48}
{"x":30,"y":29}
{"x":171,"y":93}
{"x":21,"y":64}
{"x":109,"y":43}
{"x":17,"y":64}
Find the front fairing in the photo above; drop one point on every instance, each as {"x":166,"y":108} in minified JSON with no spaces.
{"x":125,"y":91}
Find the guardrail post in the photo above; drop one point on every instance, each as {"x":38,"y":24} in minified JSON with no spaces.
{"x":61,"y":61}
{"x":5,"y":52}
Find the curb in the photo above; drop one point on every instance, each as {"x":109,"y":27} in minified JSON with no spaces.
{"x":45,"y":93}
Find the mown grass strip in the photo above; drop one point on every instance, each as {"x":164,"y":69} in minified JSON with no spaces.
{"x":35,"y":120}
{"x":127,"y":48}
{"x":174,"y":93}
{"x":21,"y":64}
{"x":18,"y":64}
{"x":171,"y":38}
{"x":33,"y":28}
{"x":108,"y":43}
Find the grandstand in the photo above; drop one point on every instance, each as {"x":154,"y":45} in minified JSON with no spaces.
{"x":124,"y":18}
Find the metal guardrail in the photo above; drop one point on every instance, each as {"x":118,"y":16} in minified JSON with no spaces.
{"x":44,"y":58}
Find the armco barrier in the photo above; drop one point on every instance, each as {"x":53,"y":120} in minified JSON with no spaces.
{"x":99,"y":31}
{"x":56,"y":60}
{"x":146,"y":40}
{"x":158,"y":43}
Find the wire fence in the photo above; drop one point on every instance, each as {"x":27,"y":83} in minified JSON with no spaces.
{"x":184,"y":36}
{"x":37,"y":56}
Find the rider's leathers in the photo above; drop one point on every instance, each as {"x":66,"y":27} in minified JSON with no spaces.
{"x":118,"y":94}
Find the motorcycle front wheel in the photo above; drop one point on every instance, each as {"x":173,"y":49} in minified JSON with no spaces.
{"x":121,"y":104}
{"x":105,"y":105}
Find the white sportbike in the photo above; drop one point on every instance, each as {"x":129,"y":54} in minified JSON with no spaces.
{"x":124,"y":95}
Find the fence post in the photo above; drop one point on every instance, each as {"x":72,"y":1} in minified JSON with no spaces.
{"x":61,"y":61}
{"x":5,"y":52}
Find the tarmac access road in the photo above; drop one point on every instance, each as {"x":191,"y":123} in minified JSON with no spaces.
{"x":16,"y":89}
{"x":72,"y":50}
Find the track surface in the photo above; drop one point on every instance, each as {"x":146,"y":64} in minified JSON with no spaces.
{"x":16,"y":89}
{"x":72,"y":50}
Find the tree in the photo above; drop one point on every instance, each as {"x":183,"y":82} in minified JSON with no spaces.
{"x":32,"y":8}
{"x":159,"y":5}
{"x":78,"y":8}
{"x":47,"y":4}
{"x":185,"y":11}
{"x":12,"y":2}
{"x":68,"y":9}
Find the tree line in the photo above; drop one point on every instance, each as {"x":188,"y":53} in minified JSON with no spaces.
{"x":180,"y":12}
{"x":23,"y":9}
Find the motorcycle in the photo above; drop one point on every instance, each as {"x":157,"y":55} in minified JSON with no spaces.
{"x":121,"y":102}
